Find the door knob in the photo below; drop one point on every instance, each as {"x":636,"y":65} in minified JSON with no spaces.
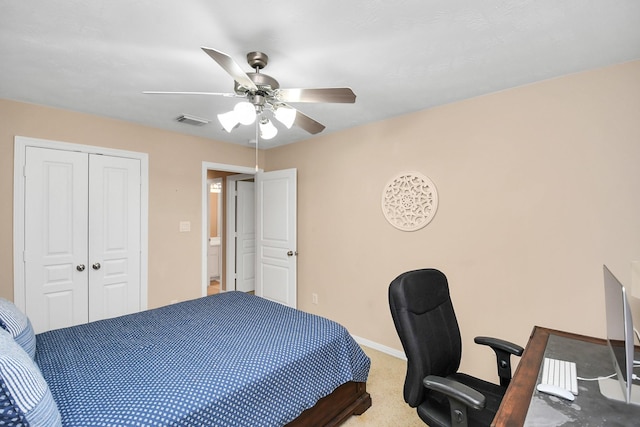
{"x":96,"y":266}
{"x":80,"y":267}
{"x":291,"y":253}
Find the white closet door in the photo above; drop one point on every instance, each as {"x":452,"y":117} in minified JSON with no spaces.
{"x":114,"y":236}
{"x":56,"y":225}
{"x":82,"y":237}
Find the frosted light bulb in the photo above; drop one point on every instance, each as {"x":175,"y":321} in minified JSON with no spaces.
{"x":246,"y":112}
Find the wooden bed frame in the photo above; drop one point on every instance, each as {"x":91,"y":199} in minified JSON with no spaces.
{"x":349,"y":399}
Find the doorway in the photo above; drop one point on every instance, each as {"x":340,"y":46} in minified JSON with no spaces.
{"x":231,"y":212}
{"x":226,"y":272}
{"x":275,"y":253}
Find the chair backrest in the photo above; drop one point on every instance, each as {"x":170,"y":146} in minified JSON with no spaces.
{"x":426,"y":323}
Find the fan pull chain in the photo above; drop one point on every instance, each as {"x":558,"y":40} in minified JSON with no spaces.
{"x":257,"y":135}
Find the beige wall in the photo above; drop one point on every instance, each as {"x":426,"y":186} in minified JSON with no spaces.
{"x":175,"y":188}
{"x":538,"y":187}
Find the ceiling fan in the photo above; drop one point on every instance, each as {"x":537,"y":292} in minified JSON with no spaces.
{"x":263,"y":93}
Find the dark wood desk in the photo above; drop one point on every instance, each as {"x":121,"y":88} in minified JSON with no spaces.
{"x":515,"y":404}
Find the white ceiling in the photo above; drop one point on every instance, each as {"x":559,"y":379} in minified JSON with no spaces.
{"x":398,"y":56}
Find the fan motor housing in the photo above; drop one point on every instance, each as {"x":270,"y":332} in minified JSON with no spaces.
{"x":264,"y":82}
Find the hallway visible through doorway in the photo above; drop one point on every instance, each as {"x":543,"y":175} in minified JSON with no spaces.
{"x":213,"y":288}
{"x":220,"y":229}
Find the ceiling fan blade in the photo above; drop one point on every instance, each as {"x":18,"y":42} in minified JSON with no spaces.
{"x":155,"y":92}
{"x":231,"y":67}
{"x":332,"y":94}
{"x":307,"y":123}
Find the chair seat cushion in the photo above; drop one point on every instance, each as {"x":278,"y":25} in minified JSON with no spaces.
{"x":492,"y":392}
{"x":435,"y":409}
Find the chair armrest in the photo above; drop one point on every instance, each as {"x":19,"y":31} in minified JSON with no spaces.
{"x":455,"y":390}
{"x":507,"y":346}
{"x":504,"y":350}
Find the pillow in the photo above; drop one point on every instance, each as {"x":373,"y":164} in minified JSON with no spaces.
{"x":18,"y":325}
{"x":25,"y":398}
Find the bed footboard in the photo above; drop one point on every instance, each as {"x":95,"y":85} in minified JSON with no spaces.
{"x":349,"y":399}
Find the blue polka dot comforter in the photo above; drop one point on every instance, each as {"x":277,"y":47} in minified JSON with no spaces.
{"x":227,"y":360}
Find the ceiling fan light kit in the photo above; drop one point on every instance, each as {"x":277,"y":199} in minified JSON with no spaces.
{"x":286,"y":116}
{"x":245,"y":112}
{"x":262,"y":93}
{"x":267,"y":129}
{"x":229,"y":120}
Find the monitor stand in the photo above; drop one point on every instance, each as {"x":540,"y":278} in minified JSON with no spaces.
{"x":611,"y":389}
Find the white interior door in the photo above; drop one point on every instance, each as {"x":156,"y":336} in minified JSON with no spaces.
{"x":56,"y":233}
{"x":245,"y":236}
{"x":276,"y":236}
{"x":114,"y":236}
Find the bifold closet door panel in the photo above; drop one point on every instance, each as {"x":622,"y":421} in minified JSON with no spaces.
{"x":114,"y":236}
{"x":56,"y":235}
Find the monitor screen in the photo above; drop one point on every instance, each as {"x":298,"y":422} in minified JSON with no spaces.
{"x":619,"y":331}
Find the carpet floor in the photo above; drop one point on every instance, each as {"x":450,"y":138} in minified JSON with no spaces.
{"x":385,"y":383}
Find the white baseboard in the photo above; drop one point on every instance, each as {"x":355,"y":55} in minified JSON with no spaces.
{"x":381,"y":348}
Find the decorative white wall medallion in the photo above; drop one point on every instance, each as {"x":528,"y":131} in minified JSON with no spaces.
{"x":409,"y":201}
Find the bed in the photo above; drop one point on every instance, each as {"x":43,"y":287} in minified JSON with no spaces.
{"x":226,"y":360}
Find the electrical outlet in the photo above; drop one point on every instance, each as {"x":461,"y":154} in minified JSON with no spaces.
{"x":185,"y":226}
{"x":314,"y":298}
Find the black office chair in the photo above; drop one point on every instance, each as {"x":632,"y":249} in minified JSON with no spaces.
{"x":423,"y":314}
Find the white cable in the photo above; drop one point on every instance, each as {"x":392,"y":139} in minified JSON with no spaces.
{"x":636,"y":364}
{"x":597,"y":378}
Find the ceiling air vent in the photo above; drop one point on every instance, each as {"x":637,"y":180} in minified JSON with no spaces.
{"x":192,"y":120}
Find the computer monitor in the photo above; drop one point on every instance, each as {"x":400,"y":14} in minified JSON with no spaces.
{"x":620,"y":342}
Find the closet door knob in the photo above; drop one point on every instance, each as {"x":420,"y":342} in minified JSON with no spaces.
{"x":96,"y":266}
{"x":80,"y":267}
